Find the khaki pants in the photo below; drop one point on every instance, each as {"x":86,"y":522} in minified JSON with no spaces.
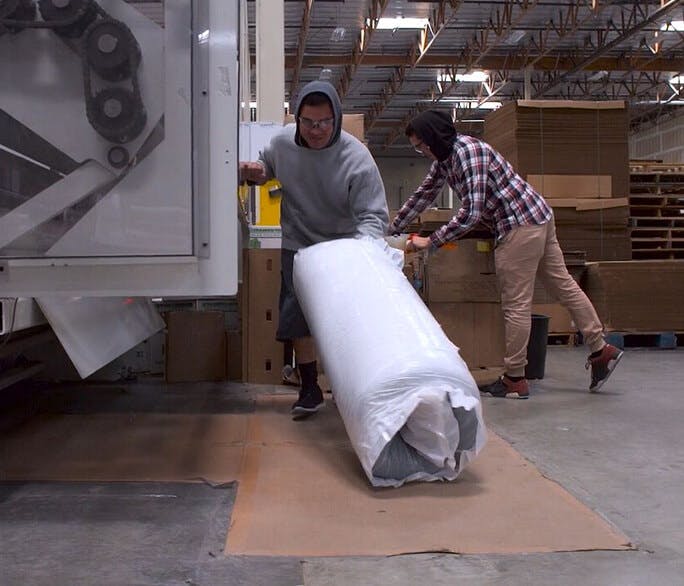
{"x":520,"y":256}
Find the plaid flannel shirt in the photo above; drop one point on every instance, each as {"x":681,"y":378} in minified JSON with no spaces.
{"x":491,"y":193}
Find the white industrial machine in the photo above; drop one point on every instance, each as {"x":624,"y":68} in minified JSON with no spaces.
{"x":118,"y":154}
{"x":118,"y":138}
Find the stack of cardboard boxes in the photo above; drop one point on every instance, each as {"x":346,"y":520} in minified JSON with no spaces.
{"x":460,"y":289}
{"x":263,"y":357}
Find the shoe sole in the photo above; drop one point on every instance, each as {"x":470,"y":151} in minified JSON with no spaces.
{"x":506,"y":396}
{"x":610,"y":371}
{"x":304,"y":412}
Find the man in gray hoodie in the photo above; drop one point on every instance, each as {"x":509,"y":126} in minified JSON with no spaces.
{"x":331,"y":189}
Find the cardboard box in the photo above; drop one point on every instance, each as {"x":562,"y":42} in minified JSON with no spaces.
{"x":572,"y":186}
{"x":476,"y":328}
{"x":262,"y":354}
{"x":437,"y":215}
{"x":589,"y":204}
{"x":195,"y":346}
{"x":462,"y":271}
{"x":352,"y":123}
{"x":560,"y":321}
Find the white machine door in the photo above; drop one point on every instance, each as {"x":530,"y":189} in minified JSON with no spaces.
{"x":118,"y":147}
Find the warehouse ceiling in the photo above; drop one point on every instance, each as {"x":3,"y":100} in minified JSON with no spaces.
{"x":567,"y":49}
{"x":563,"y":49}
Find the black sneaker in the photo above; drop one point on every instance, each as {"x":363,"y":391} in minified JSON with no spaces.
{"x":309,"y":402}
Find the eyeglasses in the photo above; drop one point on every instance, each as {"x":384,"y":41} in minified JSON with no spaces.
{"x":309,"y":124}
{"x":420,"y":147}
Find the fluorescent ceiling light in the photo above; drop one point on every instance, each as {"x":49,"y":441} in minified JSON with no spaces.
{"x":598,"y":76}
{"x":472,"y":104}
{"x":395,"y":23}
{"x":675,"y":25}
{"x":515,"y":37}
{"x":254,"y":104}
{"x":475,"y":76}
{"x":338,"y":34}
{"x":661,"y":103}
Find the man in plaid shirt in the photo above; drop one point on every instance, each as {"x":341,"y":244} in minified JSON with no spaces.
{"x":493,"y":194}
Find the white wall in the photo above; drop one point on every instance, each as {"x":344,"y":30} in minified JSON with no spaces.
{"x":663,"y":142}
{"x":402,"y":175}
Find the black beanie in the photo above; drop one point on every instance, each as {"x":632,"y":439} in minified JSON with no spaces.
{"x":436,"y":130}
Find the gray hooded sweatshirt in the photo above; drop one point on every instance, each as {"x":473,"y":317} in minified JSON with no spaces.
{"x":330,"y":193}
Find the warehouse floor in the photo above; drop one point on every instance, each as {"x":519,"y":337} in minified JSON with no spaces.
{"x":619,"y":452}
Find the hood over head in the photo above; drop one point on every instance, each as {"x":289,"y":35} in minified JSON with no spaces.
{"x":435,"y":129}
{"x":327,"y":89}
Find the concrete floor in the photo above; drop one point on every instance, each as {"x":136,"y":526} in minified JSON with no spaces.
{"x":620,"y":452}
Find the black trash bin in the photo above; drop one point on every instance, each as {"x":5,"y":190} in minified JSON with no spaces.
{"x":536,"y":347}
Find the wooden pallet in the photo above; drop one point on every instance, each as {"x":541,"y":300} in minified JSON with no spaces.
{"x":663,"y":340}
{"x":656,"y":204}
{"x":647,"y":167}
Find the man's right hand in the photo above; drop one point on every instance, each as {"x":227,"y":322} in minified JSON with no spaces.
{"x":252,"y":172}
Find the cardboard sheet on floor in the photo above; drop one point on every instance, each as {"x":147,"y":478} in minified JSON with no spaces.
{"x":134,"y":447}
{"x":302,"y":492}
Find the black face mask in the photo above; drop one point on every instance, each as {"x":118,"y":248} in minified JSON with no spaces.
{"x":436,"y":130}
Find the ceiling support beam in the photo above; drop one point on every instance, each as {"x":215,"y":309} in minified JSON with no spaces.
{"x":369,"y":25}
{"x":518,"y":61}
{"x":501,"y":24}
{"x":631,"y":23}
{"x":568,"y":24}
{"x":301,"y":44}
{"x":438,"y":20}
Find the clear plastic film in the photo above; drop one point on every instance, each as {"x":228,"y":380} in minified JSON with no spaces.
{"x":409,"y":404}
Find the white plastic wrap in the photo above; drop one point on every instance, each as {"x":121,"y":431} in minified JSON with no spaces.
{"x":409,"y":404}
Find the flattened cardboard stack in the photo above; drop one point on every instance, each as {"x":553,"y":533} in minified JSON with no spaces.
{"x":638,"y":296}
{"x":576,"y":154}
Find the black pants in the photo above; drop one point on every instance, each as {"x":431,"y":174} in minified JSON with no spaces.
{"x":291,"y":323}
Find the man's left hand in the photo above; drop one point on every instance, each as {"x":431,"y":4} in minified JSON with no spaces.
{"x":417,"y":243}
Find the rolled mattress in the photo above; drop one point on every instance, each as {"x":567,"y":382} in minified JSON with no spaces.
{"x":409,"y":404}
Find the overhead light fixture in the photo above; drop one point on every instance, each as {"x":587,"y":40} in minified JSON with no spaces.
{"x":598,"y":76}
{"x":286,"y":105}
{"x":473,"y":76}
{"x":338,"y":34}
{"x":472,"y":104}
{"x":660,"y":103}
{"x":673,"y":26}
{"x":399,"y":22}
{"x":515,"y":37}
